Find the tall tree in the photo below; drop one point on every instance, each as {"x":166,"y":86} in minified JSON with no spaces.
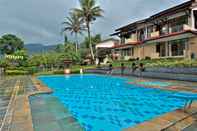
{"x":89,"y":11}
{"x":74,"y":25}
{"x":10,"y":43}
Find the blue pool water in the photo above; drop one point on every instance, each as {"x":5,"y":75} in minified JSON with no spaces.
{"x":104,"y":103}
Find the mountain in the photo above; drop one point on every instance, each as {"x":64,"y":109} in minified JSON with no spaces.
{"x":34,"y":48}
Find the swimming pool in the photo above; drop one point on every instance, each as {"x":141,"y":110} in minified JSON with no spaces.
{"x":105,"y":103}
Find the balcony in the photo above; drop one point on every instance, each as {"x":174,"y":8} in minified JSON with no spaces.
{"x":174,"y":29}
{"x":132,"y":39}
{"x":154,"y":34}
{"x":179,"y":28}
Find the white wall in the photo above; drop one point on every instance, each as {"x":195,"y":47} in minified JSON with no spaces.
{"x":107,"y":44}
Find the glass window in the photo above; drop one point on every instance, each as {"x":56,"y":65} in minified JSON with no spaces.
{"x":177,"y":23}
{"x":161,"y":49}
{"x":126,"y":52}
{"x":150,"y":30}
{"x":178,"y":47}
{"x":195,"y":18}
{"x":132,"y":51}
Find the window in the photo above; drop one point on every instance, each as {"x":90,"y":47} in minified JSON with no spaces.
{"x":195,"y":18}
{"x":177,"y":23}
{"x":150,"y":30}
{"x":178,"y":47}
{"x":126,"y":52}
{"x":122,"y":40}
{"x":161,"y":49}
{"x":132,"y":51}
{"x":164,"y":29}
{"x":141,"y":35}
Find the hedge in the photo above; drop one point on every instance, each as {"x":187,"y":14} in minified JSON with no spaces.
{"x":16,"y":72}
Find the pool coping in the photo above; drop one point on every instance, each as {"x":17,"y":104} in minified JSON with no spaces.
{"x":166,"y":88}
{"x":24,"y":121}
{"x":164,"y":121}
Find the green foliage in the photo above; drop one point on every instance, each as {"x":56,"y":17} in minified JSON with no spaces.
{"x":4,"y":62}
{"x":95,"y":40}
{"x":16,"y":72}
{"x":55,"y":58}
{"x":60,"y":48}
{"x":10,"y":43}
{"x":22,"y":62}
{"x":88,"y":12}
{"x":73,"y":24}
{"x":84,"y":47}
{"x":170,"y":62}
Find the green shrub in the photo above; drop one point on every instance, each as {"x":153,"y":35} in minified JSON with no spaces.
{"x":147,"y":58}
{"x":75,"y":71}
{"x":16,"y":72}
{"x":58,"y":72}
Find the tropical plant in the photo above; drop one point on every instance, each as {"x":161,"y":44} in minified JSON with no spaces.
{"x":60,"y":48}
{"x":89,"y":11}
{"x":95,"y":40}
{"x":74,"y":25}
{"x":10,"y":43}
{"x":84,"y":52}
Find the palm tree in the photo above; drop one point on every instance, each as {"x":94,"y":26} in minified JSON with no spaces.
{"x":74,"y":25}
{"x":89,"y":11}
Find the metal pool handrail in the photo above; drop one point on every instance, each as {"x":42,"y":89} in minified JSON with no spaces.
{"x":8,"y":116}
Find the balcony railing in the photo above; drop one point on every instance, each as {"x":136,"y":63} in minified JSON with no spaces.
{"x":173,"y":29}
{"x":133,"y":38}
{"x":154,"y":34}
{"x":179,"y":28}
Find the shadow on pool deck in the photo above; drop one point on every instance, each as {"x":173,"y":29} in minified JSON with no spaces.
{"x":48,"y":114}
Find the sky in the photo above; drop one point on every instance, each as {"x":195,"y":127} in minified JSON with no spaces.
{"x":39,"y":21}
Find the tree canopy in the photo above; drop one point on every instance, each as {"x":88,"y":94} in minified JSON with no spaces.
{"x":89,"y":12}
{"x":10,"y":43}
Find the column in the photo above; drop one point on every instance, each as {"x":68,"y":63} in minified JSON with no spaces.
{"x":166,"y":47}
{"x":170,"y":49}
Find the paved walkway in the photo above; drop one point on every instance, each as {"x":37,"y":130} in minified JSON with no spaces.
{"x":7,"y":85}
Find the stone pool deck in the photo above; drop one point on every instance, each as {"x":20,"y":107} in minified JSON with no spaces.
{"x":22,"y":116}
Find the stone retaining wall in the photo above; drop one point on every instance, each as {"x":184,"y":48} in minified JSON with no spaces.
{"x":183,"y":74}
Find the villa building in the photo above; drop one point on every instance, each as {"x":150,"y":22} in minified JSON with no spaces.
{"x":170,"y":33}
{"x":103,"y":50}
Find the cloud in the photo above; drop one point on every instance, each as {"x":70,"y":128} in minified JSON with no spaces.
{"x":40,"y":20}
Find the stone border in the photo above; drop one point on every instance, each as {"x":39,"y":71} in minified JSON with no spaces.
{"x":166,"y":88}
{"x":166,"y":120}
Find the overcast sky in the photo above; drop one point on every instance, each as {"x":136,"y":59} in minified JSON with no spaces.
{"x":39,"y":21}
